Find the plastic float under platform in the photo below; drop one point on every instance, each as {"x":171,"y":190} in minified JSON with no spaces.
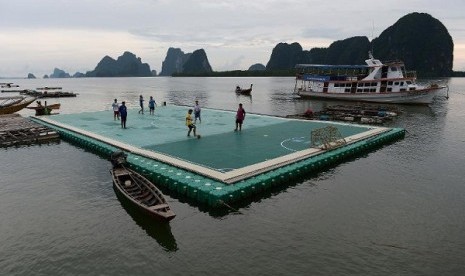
{"x":224,"y":165}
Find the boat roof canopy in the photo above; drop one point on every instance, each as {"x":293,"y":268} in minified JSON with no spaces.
{"x":323,"y":66}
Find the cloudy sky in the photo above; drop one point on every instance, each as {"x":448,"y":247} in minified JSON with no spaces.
{"x":74,"y":35}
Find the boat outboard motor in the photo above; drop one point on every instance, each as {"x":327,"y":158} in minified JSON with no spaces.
{"x":118,"y":158}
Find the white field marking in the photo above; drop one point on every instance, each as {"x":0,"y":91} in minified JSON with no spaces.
{"x":226,"y":169}
{"x":290,"y":139}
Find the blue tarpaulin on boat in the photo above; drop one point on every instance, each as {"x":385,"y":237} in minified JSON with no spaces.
{"x":316,"y":78}
{"x":322,"y":66}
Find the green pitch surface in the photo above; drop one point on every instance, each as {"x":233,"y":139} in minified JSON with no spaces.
{"x":221,"y":148}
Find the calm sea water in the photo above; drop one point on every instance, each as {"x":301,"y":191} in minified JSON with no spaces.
{"x":396,"y":211}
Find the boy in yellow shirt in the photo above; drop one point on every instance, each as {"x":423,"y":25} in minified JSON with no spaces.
{"x":189,"y":123}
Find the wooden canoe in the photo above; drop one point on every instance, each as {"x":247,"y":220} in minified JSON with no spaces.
{"x":51,"y":106}
{"x":16,"y":107}
{"x":244,"y":91}
{"x":158,"y":230}
{"x":141,"y":193}
{"x":7,"y":101}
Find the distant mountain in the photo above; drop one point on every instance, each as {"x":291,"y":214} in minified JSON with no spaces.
{"x":177,"y":62}
{"x":286,"y":56}
{"x":174,"y":62}
{"x":352,"y":50}
{"x":421,"y":41}
{"x":127,"y":65}
{"x":58,"y":74}
{"x":79,"y":75}
{"x":197,"y":63}
{"x":257,"y":67}
{"x":31,"y":76}
{"x":418,"y":39}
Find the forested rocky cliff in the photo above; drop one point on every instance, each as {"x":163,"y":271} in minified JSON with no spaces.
{"x":177,"y":62}
{"x":127,"y":65}
{"x":418,"y":39}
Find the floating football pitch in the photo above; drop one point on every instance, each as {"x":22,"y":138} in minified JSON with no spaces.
{"x":267,"y":147}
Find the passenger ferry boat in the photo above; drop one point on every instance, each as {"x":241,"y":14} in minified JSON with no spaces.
{"x":374,"y":82}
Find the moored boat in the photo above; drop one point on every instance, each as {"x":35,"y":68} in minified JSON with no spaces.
{"x":139,"y":190}
{"x":44,"y":109}
{"x":9,"y":105}
{"x":8,"y":85}
{"x":247,"y":91}
{"x":7,"y":101}
{"x":374,"y":82}
{"x":51,"y":106}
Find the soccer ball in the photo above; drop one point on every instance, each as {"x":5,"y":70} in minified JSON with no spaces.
{"x":198,"y":136}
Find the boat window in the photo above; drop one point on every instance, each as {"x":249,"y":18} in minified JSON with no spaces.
{"x":359,"y":90}
{"x":409,"y":82}
{"x":402,"y":89}
{"x":373,"y":84}
{"x":366,"y":90}
{"x":347,"y":90}
{"x":396,"y":83}
{"x":412,"y":88}
{"x":373,"y":90}
{"x":393,"y":68}
{"x":389,"y":89}
{"x":401,"y":83}
{"x":402,"y":68}
{"x":390,"y":82}
{"x":336,"y":84}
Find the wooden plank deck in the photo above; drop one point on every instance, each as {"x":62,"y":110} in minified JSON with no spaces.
{"x":17,"y":130}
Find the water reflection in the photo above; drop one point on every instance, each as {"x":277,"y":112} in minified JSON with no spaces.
{"x":158,"y":230}
{"x":225,"y":209}
{"x":241,"y":98}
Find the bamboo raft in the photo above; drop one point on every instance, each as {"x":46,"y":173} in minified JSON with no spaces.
{"x":15,"y":91}
{"x":17,"y":130}
{"x":46,"y":94}
{"x":361,"y":114}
